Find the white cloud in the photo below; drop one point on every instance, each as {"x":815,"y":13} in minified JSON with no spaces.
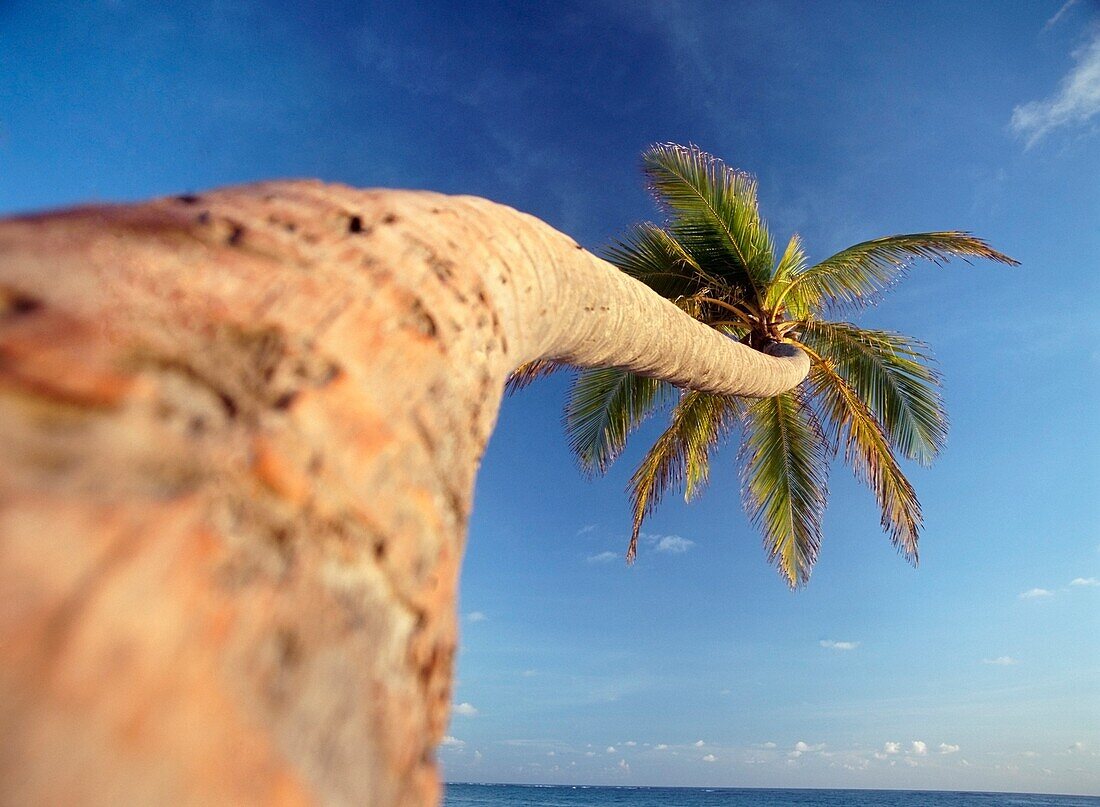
{"x":624,"y":765}
{"x":699,"y":743}
{"x":1061,"y":13}
{"x":802,"y":747}
{"x":710,"y":758}
{"x":1075,"y":103}
{"x":477,"y":757}
{"x":674,"y":544}
{"x":529,"y":673}
{"x":891,"y":748}
{"x":829,"y":643}
{"x":1036,"y":594}
{"x":452,"y":742}
{"x":1002,"y":661}
{"x":603,"y":557}
{"x":611,"y":749}
{"x":1084,"y":581}
{"x":1077,"y":748}
{"x":586,"y":529}
{"x":661,"y":746}
{"x":465,"y":709}
{"x":768,"y":744}
{"x":476,"y":616}
{"x":630,"y":743}
{"x":919,"y":748}
{"x":590,"y":753}
{"x":946,"y":748}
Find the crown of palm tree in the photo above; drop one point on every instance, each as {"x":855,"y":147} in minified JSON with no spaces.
{"x":871,"y":392}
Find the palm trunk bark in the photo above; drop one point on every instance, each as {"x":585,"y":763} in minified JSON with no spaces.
{"x":240,"y":433}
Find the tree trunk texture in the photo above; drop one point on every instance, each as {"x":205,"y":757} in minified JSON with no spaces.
{"x":239,"y":435}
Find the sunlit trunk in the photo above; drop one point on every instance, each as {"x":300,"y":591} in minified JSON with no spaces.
{"x":240,"y":433}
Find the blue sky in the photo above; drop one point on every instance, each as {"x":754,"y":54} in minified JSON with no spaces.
{"x":697,"y":666}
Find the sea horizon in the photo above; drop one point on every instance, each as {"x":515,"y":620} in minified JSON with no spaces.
{"x":485,"y":794}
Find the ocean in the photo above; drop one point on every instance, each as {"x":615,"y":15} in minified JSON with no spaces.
{"x":461,"y":795}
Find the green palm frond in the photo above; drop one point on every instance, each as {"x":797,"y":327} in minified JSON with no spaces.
{"x":893,"y":375}
{"x":604,"y":406}
{"x":714,"y":212}
{"x":681,"y":455}
{"x":856,"y":276}
{"x":785,"y":467}
{"x":792,"y":262}
{"x":649,"y":254}
{"x":868,"y":453}
{"x":526,"y":374}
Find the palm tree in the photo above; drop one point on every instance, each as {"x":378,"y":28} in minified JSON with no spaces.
{"x":871,"y":392}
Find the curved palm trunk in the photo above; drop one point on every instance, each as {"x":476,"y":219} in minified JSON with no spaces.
{"x":239,"y":435}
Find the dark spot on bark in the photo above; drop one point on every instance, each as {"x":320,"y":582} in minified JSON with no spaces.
{"x":284,"y":401}
{"x":389,"y":218}
{"x":290,"y":648}
{"x":379,"y":550}
{"x":228,"y":403}
{"x":420,"y":320}
{"x":17,"y":303}
{"x":236,"y":235}
{"x":316,"y":463}
{"x":355,"y":224}
{"x":436,"y":210}
{"x":196,"y":426}
{"x":187,"y":199}
{"x":203,"y":218}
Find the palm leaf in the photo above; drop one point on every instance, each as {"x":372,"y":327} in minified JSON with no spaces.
{"x":867,"y":451}
{"x":604,"y":406}
{"x":714,"y":212}
{"x":785,"y":467}
{"x":681,"y":455}
{"x":790,"y":264}
{"x":651,"y":255}
{"x":858,"y":275}
{"x":526,"y":374}
{"x":893,"y":375}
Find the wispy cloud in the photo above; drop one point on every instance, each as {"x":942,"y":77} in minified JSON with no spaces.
{"x":834,"y":645}
{"x":673,"y":544}
{"x":1084,"y":581}
{"x":1076,"y":102}
{"x":476,"y":616}
{"x":710,"y":758}
{"x":1059,"y":14}
{"x":1036,"y":594}
{"x":603,"y":557}
{"x":452,"y":742}
{"x":947,"y":748}
{"x":1001,"y":661}
{"x":465,"y":710}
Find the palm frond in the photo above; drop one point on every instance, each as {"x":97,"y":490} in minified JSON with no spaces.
{"x":649,"y":254}
{"x":785,"y":468}
{"x":790,"y":264}
{"x":894,"y":376}
{"x":715,"y":215}
{"x":604,"y":406}
{"x":858,"y":275}
{"x":681,"y":455}
{"x":526,"y":374}
{"x":867,"y":451}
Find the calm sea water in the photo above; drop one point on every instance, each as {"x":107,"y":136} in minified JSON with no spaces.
{"x":555,"y":796}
